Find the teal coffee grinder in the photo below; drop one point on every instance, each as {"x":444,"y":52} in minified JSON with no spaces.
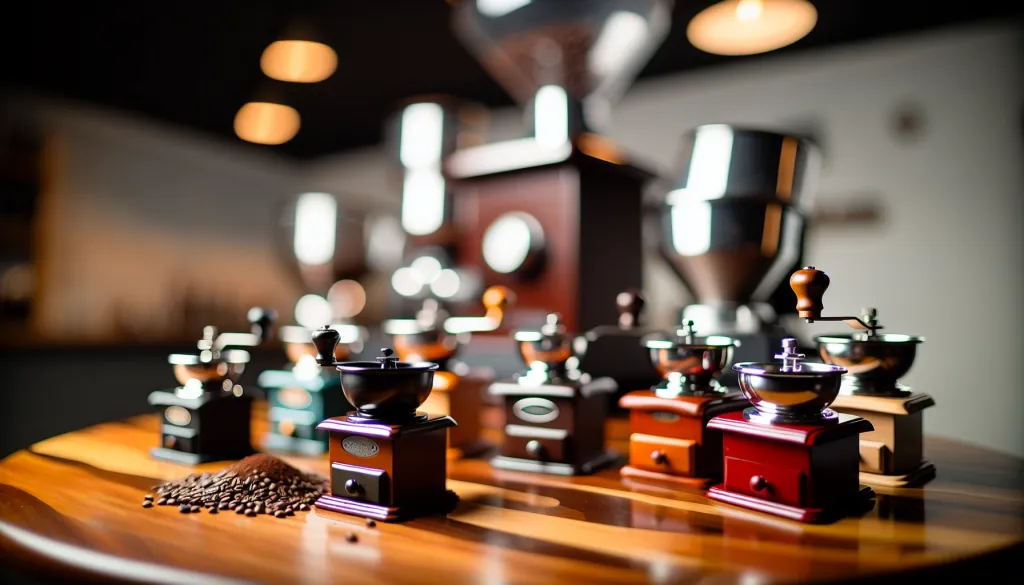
{"x":301,"y":395}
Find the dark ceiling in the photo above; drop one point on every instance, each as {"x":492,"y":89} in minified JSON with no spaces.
{"x":195,"y":63}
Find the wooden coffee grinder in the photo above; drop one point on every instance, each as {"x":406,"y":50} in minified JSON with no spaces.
{"x":388,"y":460}
{"x":458,"y":390}
{"x":207,"y":418}
{"x":891,"y":455}
{"x":669,"y":437}
{"x":789,"y":454}
{"x":554,"y":413}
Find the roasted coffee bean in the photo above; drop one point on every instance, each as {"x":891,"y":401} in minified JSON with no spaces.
{"x":370,"y":522}
{"x":184,"y":508}
{"x":303,"y":507}
{"x":161,"y":502}
{"x":195,"y":509}
{"x":147,"y":503}
{"x":251,"y":513}
{"x":172,"y":502}
{"x":280,"y":514}
{"x":351,"y":537}
{"x":213,"y":510}
{"x":223,"y":506}
{"x":148,"y":497}
{"x":240,"y":510}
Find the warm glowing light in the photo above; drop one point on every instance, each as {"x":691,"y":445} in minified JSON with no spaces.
{"x":406,"y":282}
{"x":447,"y":284}
{"x":298,"y":61}
{"x":266,"y":123}
{"x":551,"y":116}
{"x":422,"y":135}
{"x":423,"y":193}
{"x":747,"y":27}
{"x":315,"y":225}
{"x":347,"y":298}
{"x":313,"y":312}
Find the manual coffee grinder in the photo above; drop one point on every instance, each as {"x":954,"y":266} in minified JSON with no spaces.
{"x":789,"y":454}
{"x":892,"y":454}
{"x":458,"y":390}
{"x":616,"y":351}
{"x":554,"y":413}
{"x":388,"y":460}
{"x":303,"y":394}
{"x":208,"y":417}
{"x":669,"y":438}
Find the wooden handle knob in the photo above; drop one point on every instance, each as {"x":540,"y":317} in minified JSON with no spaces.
{"x":352,"y":487}
{"x":657,"y":457}
{"x":630,"y":304}
{"x":325,"y":340}
{"x":498,"y":297}
{"x":809,"y":286}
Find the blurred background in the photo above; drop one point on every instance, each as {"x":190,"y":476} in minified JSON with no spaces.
{"x":166,"y":167}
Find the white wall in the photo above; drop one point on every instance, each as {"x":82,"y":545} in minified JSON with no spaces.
{"x":945,"y":262}
{"x":133,"y":212}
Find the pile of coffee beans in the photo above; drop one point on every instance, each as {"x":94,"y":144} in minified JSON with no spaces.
{"x":259,"y":484}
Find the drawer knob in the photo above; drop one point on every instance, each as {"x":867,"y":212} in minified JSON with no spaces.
{"x":352,"y":486}
{"x":758,"y":483}
{"x":658,"y":457}
{"x":534,"y":448}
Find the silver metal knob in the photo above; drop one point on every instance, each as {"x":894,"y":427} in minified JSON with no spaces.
{"x":534,"y":448}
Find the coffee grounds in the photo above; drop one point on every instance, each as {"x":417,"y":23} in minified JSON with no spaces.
{"x":258,"y":484}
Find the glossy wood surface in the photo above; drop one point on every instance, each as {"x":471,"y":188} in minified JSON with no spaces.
{"x":71,"y":505}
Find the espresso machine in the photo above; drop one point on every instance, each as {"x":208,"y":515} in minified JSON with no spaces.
{"x":546,"y":215}
{"x":732,"y":229}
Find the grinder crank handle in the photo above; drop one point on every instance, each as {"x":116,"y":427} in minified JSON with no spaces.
{"x":261,"y":323}
{"x":496,"y":300}
{"x":809,"y":285}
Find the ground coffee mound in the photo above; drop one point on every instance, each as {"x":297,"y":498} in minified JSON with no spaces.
{"x":259,"y":484}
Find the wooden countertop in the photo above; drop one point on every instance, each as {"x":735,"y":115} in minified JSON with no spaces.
{"x":70,"y":507}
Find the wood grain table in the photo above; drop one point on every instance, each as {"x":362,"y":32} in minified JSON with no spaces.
{"x":70,"y":507}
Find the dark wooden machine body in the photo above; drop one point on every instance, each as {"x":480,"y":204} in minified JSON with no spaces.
{"x":297,"y":406}
{"x":892,"y":455}
{"x":670,"y":439}
{"x":217,"y":427}
{"x":387,"y":472}
{"x":807,"y":473}
{"x":590,"y":213}
{"x":555,"y":428}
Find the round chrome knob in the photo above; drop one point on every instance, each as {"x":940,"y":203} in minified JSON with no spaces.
{"x":352,"y":487}
{"x":758,"y":483}
{"x":534,"y":448}
{"x":657,"y":457}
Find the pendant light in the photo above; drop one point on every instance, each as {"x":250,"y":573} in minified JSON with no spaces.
{"x":748,"y":27}
{"x":266,"y":119}
{"x":300,"y":55}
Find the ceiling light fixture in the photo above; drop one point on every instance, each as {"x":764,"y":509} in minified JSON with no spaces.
{"x":748,"y":27}
{"x":298,"y":61}
{"x":267,"y":123}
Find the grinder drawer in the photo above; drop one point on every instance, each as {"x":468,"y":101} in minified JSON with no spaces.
{"x":667,"y":455}
{"x":770,"y":482}
{"x":360,"y":483}
{"x":539,"y":444}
